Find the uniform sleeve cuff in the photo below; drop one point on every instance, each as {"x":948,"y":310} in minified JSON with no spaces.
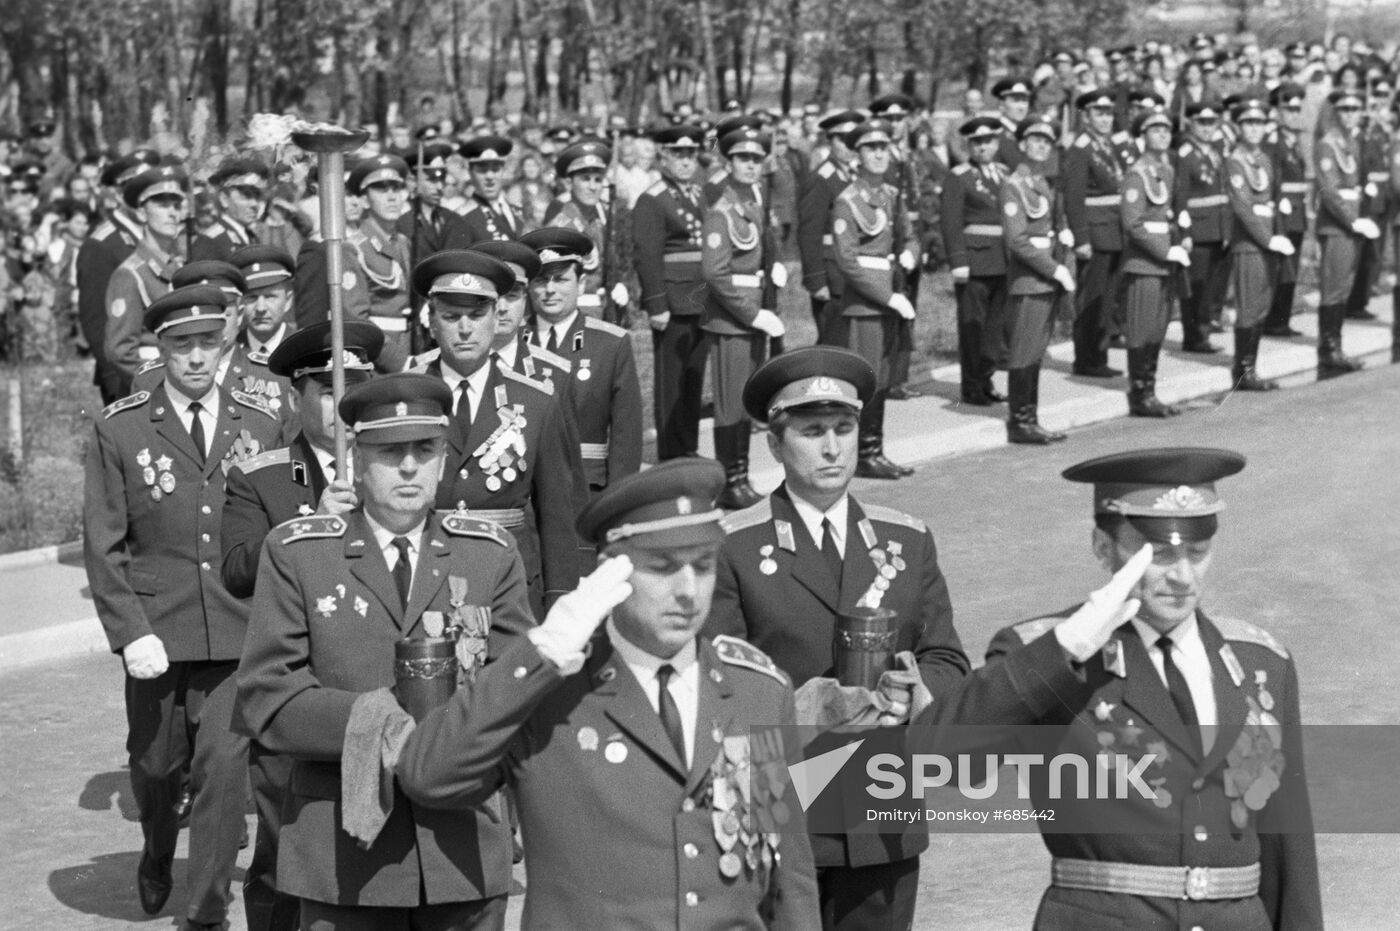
{"x":562,"y":658}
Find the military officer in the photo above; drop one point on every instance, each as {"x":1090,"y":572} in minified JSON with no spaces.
{"x":582,"y":167}
{"x":870,"y":237}
{"x":666,"y":254}
{"x":1226,"y":841}
{"x":1285,"y":153}
{"x":429,"y":226}
{"x":972,"y":233}
{"x":508,"y":449}
{"x":1152,"y":255}
{"x":488,"y":214}
{"x":1013,"y":96}
{"x":382,"y":252}
{"x":336,"y":593}
{"x":1091,"y":177}
{"x":152,"y":502}
{"x":267,"y":297}
{"x":903,"y":176}
{"x":1200,"y":191}
{"x":1373,"y":144}
{"x":1035,"y":237}
{"x":241,"y":183}
{"x":719,"y":172}
{"x":227,"y":278}
{"x":819,"y":191}
{"x":157,"y":195}
{"x":1341,"y":229}
{"x":739,"y":327}
{"x":809,"y":551}
{"x":1259,"y":242}
{"x":641,"y":731}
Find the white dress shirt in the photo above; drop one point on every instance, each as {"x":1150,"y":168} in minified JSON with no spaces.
{"x":208,"y":416}
{"x":812,"y":520}
{"x":684,"y":686}
{"x":324,"y":458}
{"x":507,"y":354}
{"x":561,"y":330}
{"x":476,"y":386}
{"x":254,"y":346}
{"x":385,"y":538}
{"x":1189,"y":655}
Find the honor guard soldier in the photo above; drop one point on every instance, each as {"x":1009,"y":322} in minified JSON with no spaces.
{"x":1373,"y":143}
{"x":1037,"y":248}
{"x":903,"y":175}
{"x":869,"y":235}
{"x":643,"y":726}
{"x":1285,"y":152}
{"x":1342,"y":230}
{"x":1225,"y":840}
{"x":1153,"y":257}
{"x":1091,"y":178}
{"x":241,"y":183}
{"x":1200,"y":190}
{"x":488,"y":214}
{"x":739,"y":325}
{"x":98,"y":257}
{"x":582,"y":167}
{"x":157,"y":196}
{"x":666,"y":245}
{"x":508,"y":455}
{"x":972,"y":233}
{"x":273,"y":487}
{"x":1014,"y":102}
{"x":1259,"y":244}
{"x":719,"y":172}
{"x":153,"y":498}
{"x":382,"y":252}
{"x":429,"y":226}
{"x":337,"y":593}
{"x":809,"y":552}
{"x":820,"y":188}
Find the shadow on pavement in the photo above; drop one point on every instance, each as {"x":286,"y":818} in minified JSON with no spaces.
{"x":106,"y":886}
{"x":102,"y":788}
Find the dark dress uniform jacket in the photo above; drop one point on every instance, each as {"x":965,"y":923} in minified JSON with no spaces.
{"x":1290,"y":168}
{"x":490,"y":220}
{"x":151,"y":543}
{"x":324,"y":621}
{"x":820,"y":188}
{"x":1090,"y":176}
{"x":640,"y":828}
{"x":971,"y":218}
{"x":790,"y":614}
{"x":1200,"y":190}
{"x":666,"y":249}
{"x":221,"y":240}
{"x":1121,"y":702}
{"x":98,"y":257}
{"x":445,"y":229}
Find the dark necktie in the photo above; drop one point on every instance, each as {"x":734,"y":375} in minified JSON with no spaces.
{"x":1180,"y":692}
{"x":197,"y":429}
{"x":403,"y":570}
{"x":464,"y":407}
{"x":829,"y":551}
{"x":670,"y":714}
{"x":552,"y":344}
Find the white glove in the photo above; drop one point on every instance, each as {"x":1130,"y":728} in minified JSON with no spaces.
{"x":1065,"y":279}
{"x":900,"y":305}
{"x":961,"y":274}
{"x":1067,"y":238}
{"x":660,"y":321}
{"x":823,"y":293}
{"x":1187,"y":244}
{"x":907,"y":261}
{"x":1365,"y":226}
{"x":1285,"y":207}
{"x":779,"y":275}
{"x":1371,"y":189}
{"x":769,"y":323}
{"x":1086,"y":631}
{"x":1180,"y":256}
{"x":145,"y":657}
{"x":1084,"y":250}
{"x":1281,"y":244}
{"x":619,"y":295}
{"x":1183,"y":220}
{"x":573,"y":619}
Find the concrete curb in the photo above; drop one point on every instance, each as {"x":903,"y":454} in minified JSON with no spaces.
{"x":73,"y":638}
{"x":43,"y":554}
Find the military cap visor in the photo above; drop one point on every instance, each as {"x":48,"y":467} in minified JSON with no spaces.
{"x":263,"y":266}
{"x":1095,"y":99}
{"x":523,"y":261}
{"x":462,"y":274}
{"x":1342,"y":99}
{"x":875,"y":132}
{"x":730,"y":124}
{"x":669,"y":506}
{"x":1167,"y":494}
{"x":681,"y":136}
{"x":484,"y":149}
{"x":376,"y":170}
{"x":980,"y":127}
{"x":1202,"y":111}
{"x":128,"y":166}
{"x":240,"y":172}
{"x":892,"y":106}
{"x":1036,"y":127}
{"x":810,"y":377}
{"x":1251,"y":111}
{"x":431,"y":156}
{"x":1011,"y":87}
{"x":1150,"y":119}
{"x":308,"y":351}
{"x":589,"y":154}
{"x":153,"y":182}
{"x":400,"y":408}
{"x":556,"y":244}
{"x":841,"y":122}
{"x":186,"y":310}
{"x":217,"y":273}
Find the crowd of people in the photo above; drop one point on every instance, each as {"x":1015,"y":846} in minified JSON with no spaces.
{"x":255,"y":576}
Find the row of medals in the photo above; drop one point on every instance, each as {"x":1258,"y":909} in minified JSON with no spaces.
{"x":746,"y":822}
{"x":502,"y":454}
{"x":161,"y":483}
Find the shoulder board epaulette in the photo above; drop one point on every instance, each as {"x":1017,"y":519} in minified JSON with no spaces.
{"x":515,"y":376}
{"x":891,"y":516}
{"x":258,"y":357}
{"x":1082,"y":141}
{"x":1121,"y":136}
{"x":718,"y":175}
{"x":657,"y":189}
{"x":554,"y":359}
{"x":1035,"y":628}
{"x":759,"y":513}
{"x":126,"y":403}
{"x":148,"y":365}
{"x":132,"y":262}
{"x":593,"y":323}
{"x":421,"y":361}
{"x":263,"y":460}
{"x":254,"y":401}
{"x":962,"y":169}
{"x":472,"y":207}
{"x":1245,"y":632}
{"x":462,"y":525}
{"x":738,"y":652}
{"x":215,"y":229}
{"x":104,"y":229}
{"x":826,"y":169}
{"x":1184,"y":151}
{"x":312,"y":527}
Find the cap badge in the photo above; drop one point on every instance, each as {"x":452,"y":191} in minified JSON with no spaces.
{"x":683,"y":506}
{"x":488,"y":155}
{"x":822,"y":386}
{"x":401,"y":409}
{"x":549,"y":255}
{"x":1181,"y":498}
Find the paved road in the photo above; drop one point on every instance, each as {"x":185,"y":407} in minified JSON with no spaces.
{"x":1307,"y":548}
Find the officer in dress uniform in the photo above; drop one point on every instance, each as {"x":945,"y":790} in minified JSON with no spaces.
{"x":157,"y":195}
{"x":1091,"y":177}
{"x":262,"y":492}
{"x":738,"y":324}
{"x":1226,"y":840}
{"x":429,"y":226}
{"x":508,"y":447}
{"x":1013,"y":96}
{"x":1373,"y":143}
{"x":1342,"y":230}
{"x":267,"y":298}
{"x":808,"y":552}
{"x":336,"y":593}
{"x":382,"y":252}
{"x":1200,"y":190}
{"x":666,"y":254}
{"x":241,"y":183}
{"x":1152,"y":255}
{"x":972,"y":233}
{"x":642,"y":728}
{"x":1035,"y":237}
{"x":227,"y":278}
{"x":903,"y":175}
{"x":603,"y":397}
{"x":152,"y":502}
{"x":488,"y":214}
{"x":1285,"y":153}
{"x":98,"y":257}
{"x":1259,"y":242}
{"x":870,"y":236}
{"x":718,"y":175}
{"x":820,"y":188}
{"x":582,"y":167}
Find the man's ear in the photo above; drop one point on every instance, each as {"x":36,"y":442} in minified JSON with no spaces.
{"x":775,"y":442}
{"x":1105,"y":549}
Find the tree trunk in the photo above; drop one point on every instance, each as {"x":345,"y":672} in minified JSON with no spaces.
{"x":711,"y":67}
{"x":789,"y":40}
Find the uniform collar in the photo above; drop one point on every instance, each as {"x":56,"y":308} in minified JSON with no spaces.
{"x":643,"y":664}
{"x":384,"y":537}
{"x":812,"y":518}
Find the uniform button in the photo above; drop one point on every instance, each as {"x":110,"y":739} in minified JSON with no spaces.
{"x":688,"y":805}
{"x":204,"y":566}
{"x":691,"y":851}
{"x":1201,"y":834}
{"x":521,"y":672}
{"x":692,"y":899}
{"x":204,"y":537}
{"x":1197,"y":928}
{"x":206,"y":509}
{"x":1198,"y":785}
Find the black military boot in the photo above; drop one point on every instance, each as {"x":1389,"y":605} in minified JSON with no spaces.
{"x":869,"y":464}
{"x":1022,"y":425}
{"x":1246,"y":378}
{"x":1142,"y":385}
{"x":1331,"y":361}
{"x":732,"y":450}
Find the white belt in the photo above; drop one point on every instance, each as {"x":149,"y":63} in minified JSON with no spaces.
{"x":1040,"y":242}
{"x":1104,"y":200}
{"x":746,"y":281}
{"x":681,"y":257}
{"x":590,"y":299}
{"x":1294,"y":187}
{"x":391,"y":324}
{"x":1196,"y":883}
{"x":877,"y":262}
{"x":506,"y":517}
{"x":1350,"y":193}
{"x":593,"y":450}
{"x":1378,"y":176}
{"x":1214,"y":200}
{"x":827,"y":240}
{"x":982,"y":229}
{"x":147,"y":353}
{"x":1156,"y":227}
{"x":1263,"y":210}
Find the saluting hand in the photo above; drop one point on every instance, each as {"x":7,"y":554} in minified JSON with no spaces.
{"x":1086,"y":631}
{"x":576,"y":615}
{"x":338,"y":498}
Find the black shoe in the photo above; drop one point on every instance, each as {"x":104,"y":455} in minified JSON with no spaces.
{"x":1338,"y":364}
{"x":992,"y":394}
{"x":1150,"y":406}
{"x":1097,"y":371}
{"x":1283,"y":331}
{"x":1030,"y":434}
{"x":900,"y":470}
{"x":1360,"y":313}
{"x":976,"y":399}
{"x":872,"y":467}
{"x":738,"y":495}
{"x":1205,"y":348}
{"x":903,"y":393}
{"x":153,"y":883}
{"x":1250,"y":381}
